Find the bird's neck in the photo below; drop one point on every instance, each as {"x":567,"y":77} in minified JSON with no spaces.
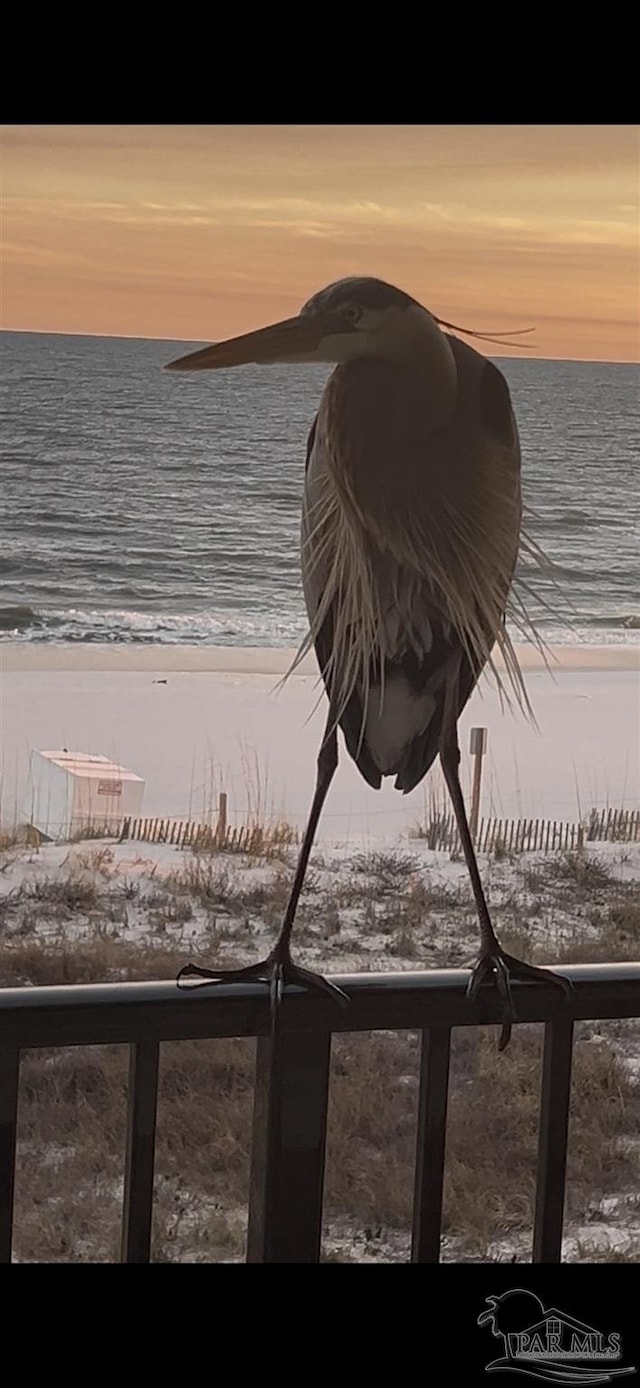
{"x":417,"y":347}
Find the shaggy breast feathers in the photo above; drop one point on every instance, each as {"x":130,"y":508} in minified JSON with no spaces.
{"x":409,"y":544}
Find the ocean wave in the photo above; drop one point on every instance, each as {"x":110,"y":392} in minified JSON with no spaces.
{"x":122,"y":625}
{"x":18,"y":617}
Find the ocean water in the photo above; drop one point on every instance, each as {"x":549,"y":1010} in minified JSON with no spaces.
{"x":147,"y":507}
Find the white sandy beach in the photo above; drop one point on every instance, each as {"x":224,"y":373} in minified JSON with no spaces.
{"x":267,"y":660}
{"x":218,"y":717}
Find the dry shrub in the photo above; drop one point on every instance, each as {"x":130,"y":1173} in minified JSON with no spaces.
{"x":101,"y":960}
{"x":572,"y":871}
{"x":388,"y":872}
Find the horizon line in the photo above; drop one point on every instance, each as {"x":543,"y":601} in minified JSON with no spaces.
{"x":141,"y":337}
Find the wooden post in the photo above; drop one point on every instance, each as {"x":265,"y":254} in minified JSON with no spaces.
{"x":477,"y":748}
{"x":221,"y":830}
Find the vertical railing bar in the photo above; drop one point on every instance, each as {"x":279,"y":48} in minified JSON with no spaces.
{"x":9,"y":1079}
{"x":430,"y":1145}
{"x":288,"y":1148}
{"x":552,"y":1145}
{"x":140,"y":1151}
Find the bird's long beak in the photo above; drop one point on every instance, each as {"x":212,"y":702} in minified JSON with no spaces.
{"x":293,"y":340}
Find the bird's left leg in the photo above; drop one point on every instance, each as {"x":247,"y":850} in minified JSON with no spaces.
{"x":494,"y":964}
{"x":278,"y":968}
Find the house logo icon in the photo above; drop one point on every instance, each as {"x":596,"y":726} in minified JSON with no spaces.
{"x":549,"y":1344}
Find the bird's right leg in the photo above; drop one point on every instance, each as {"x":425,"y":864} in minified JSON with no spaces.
{"x":494,"y":964}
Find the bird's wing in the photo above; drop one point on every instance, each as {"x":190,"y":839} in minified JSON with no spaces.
{"x":486,"y":414}
{"x":315,"y":577}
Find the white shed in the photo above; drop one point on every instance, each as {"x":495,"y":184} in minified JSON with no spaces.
{"x":73,"y":791}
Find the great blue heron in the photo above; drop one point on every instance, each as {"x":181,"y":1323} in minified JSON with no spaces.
{"x":411,"y":528}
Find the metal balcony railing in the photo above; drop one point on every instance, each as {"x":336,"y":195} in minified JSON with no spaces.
{"x":292,"y":1085}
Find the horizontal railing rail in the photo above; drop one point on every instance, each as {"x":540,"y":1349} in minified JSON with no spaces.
{"x":292,"y":1084}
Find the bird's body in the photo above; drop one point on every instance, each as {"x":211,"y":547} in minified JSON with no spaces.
{"x":404,"y":610}
{"x":411,"y":528}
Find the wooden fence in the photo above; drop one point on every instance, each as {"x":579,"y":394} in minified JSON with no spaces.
{"x":614,"y":826}
{"x":507,"y":835}
{"x":540,"y":835}
{"x":494,"y":836}
{"x":189,"y":833}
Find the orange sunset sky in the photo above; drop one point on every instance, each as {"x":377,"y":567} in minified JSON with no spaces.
{"x":199,"y":232}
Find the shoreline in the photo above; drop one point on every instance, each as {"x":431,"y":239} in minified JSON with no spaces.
{"x":25,"y":656}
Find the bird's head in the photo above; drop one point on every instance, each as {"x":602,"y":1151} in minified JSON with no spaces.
{"x":353,"y":318}
{"x":356,"y":317}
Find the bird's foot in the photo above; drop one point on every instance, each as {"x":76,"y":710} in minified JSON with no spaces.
{"x":497,"y":967}
{"x":277,"y":970}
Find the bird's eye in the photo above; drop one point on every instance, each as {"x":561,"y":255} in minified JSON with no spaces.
{"x":352,"y":313}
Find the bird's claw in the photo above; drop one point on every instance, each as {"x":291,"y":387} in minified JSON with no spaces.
{"x":305,"y":978}
{"x":496,"y":966}
{"x":277,"y":970}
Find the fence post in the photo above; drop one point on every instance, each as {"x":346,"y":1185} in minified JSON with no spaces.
{"x":477,"y":748}
{"x":221,"y":830}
